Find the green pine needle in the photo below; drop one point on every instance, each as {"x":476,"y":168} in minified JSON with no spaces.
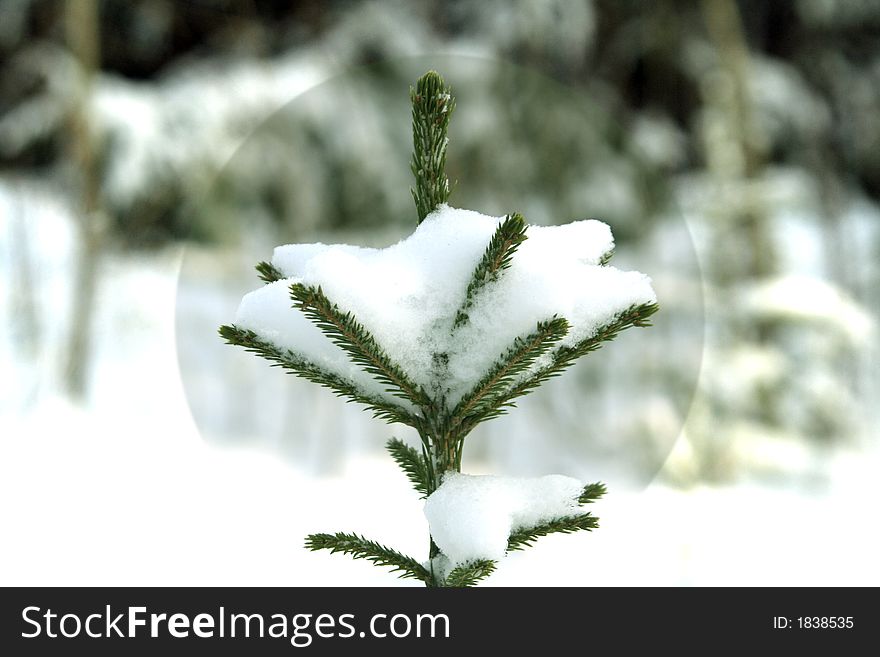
{"x":563,"y":358}
{"x":497,"y":257}
{"x":411,"y":462}
{"x":470,"y":573}
{"x":432,"y":107}
{"x":361,"y":548}
{"x":606,"y":257}
{"x":526,"y":536}
{"x":269,"y":272}
{"x":524,"y":351}
{"x":347,"y":333}
{"x":523,"y":538}
{"x":295,"y":364}
{"x":592,"y":492}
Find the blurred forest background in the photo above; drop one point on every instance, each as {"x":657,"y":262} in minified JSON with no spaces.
{"x":733,"y":147}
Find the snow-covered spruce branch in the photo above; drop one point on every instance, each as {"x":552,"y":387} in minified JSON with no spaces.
{"x":443,"y":331}
{"x":298,"y":365}
{"x":518,"y":358}
{"x":268,"y":272}
{"x":508,"y":236}
{"x":347,"y":333}
{"x":525,"y":537}
{"x":563,"y":358}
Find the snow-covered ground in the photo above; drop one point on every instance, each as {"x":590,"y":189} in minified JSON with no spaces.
{"x":123,"y":490}
{"x":133,"y":496}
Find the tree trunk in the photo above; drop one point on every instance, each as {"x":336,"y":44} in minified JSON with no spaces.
{"x":81,"y":28}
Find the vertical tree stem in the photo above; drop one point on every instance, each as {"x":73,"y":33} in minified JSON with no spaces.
{"x":432,"y":107}
{"x":81,"y":26}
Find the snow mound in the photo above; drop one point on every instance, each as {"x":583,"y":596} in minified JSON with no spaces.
{"x":407,"y":296}
{"x":472,"y":516}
